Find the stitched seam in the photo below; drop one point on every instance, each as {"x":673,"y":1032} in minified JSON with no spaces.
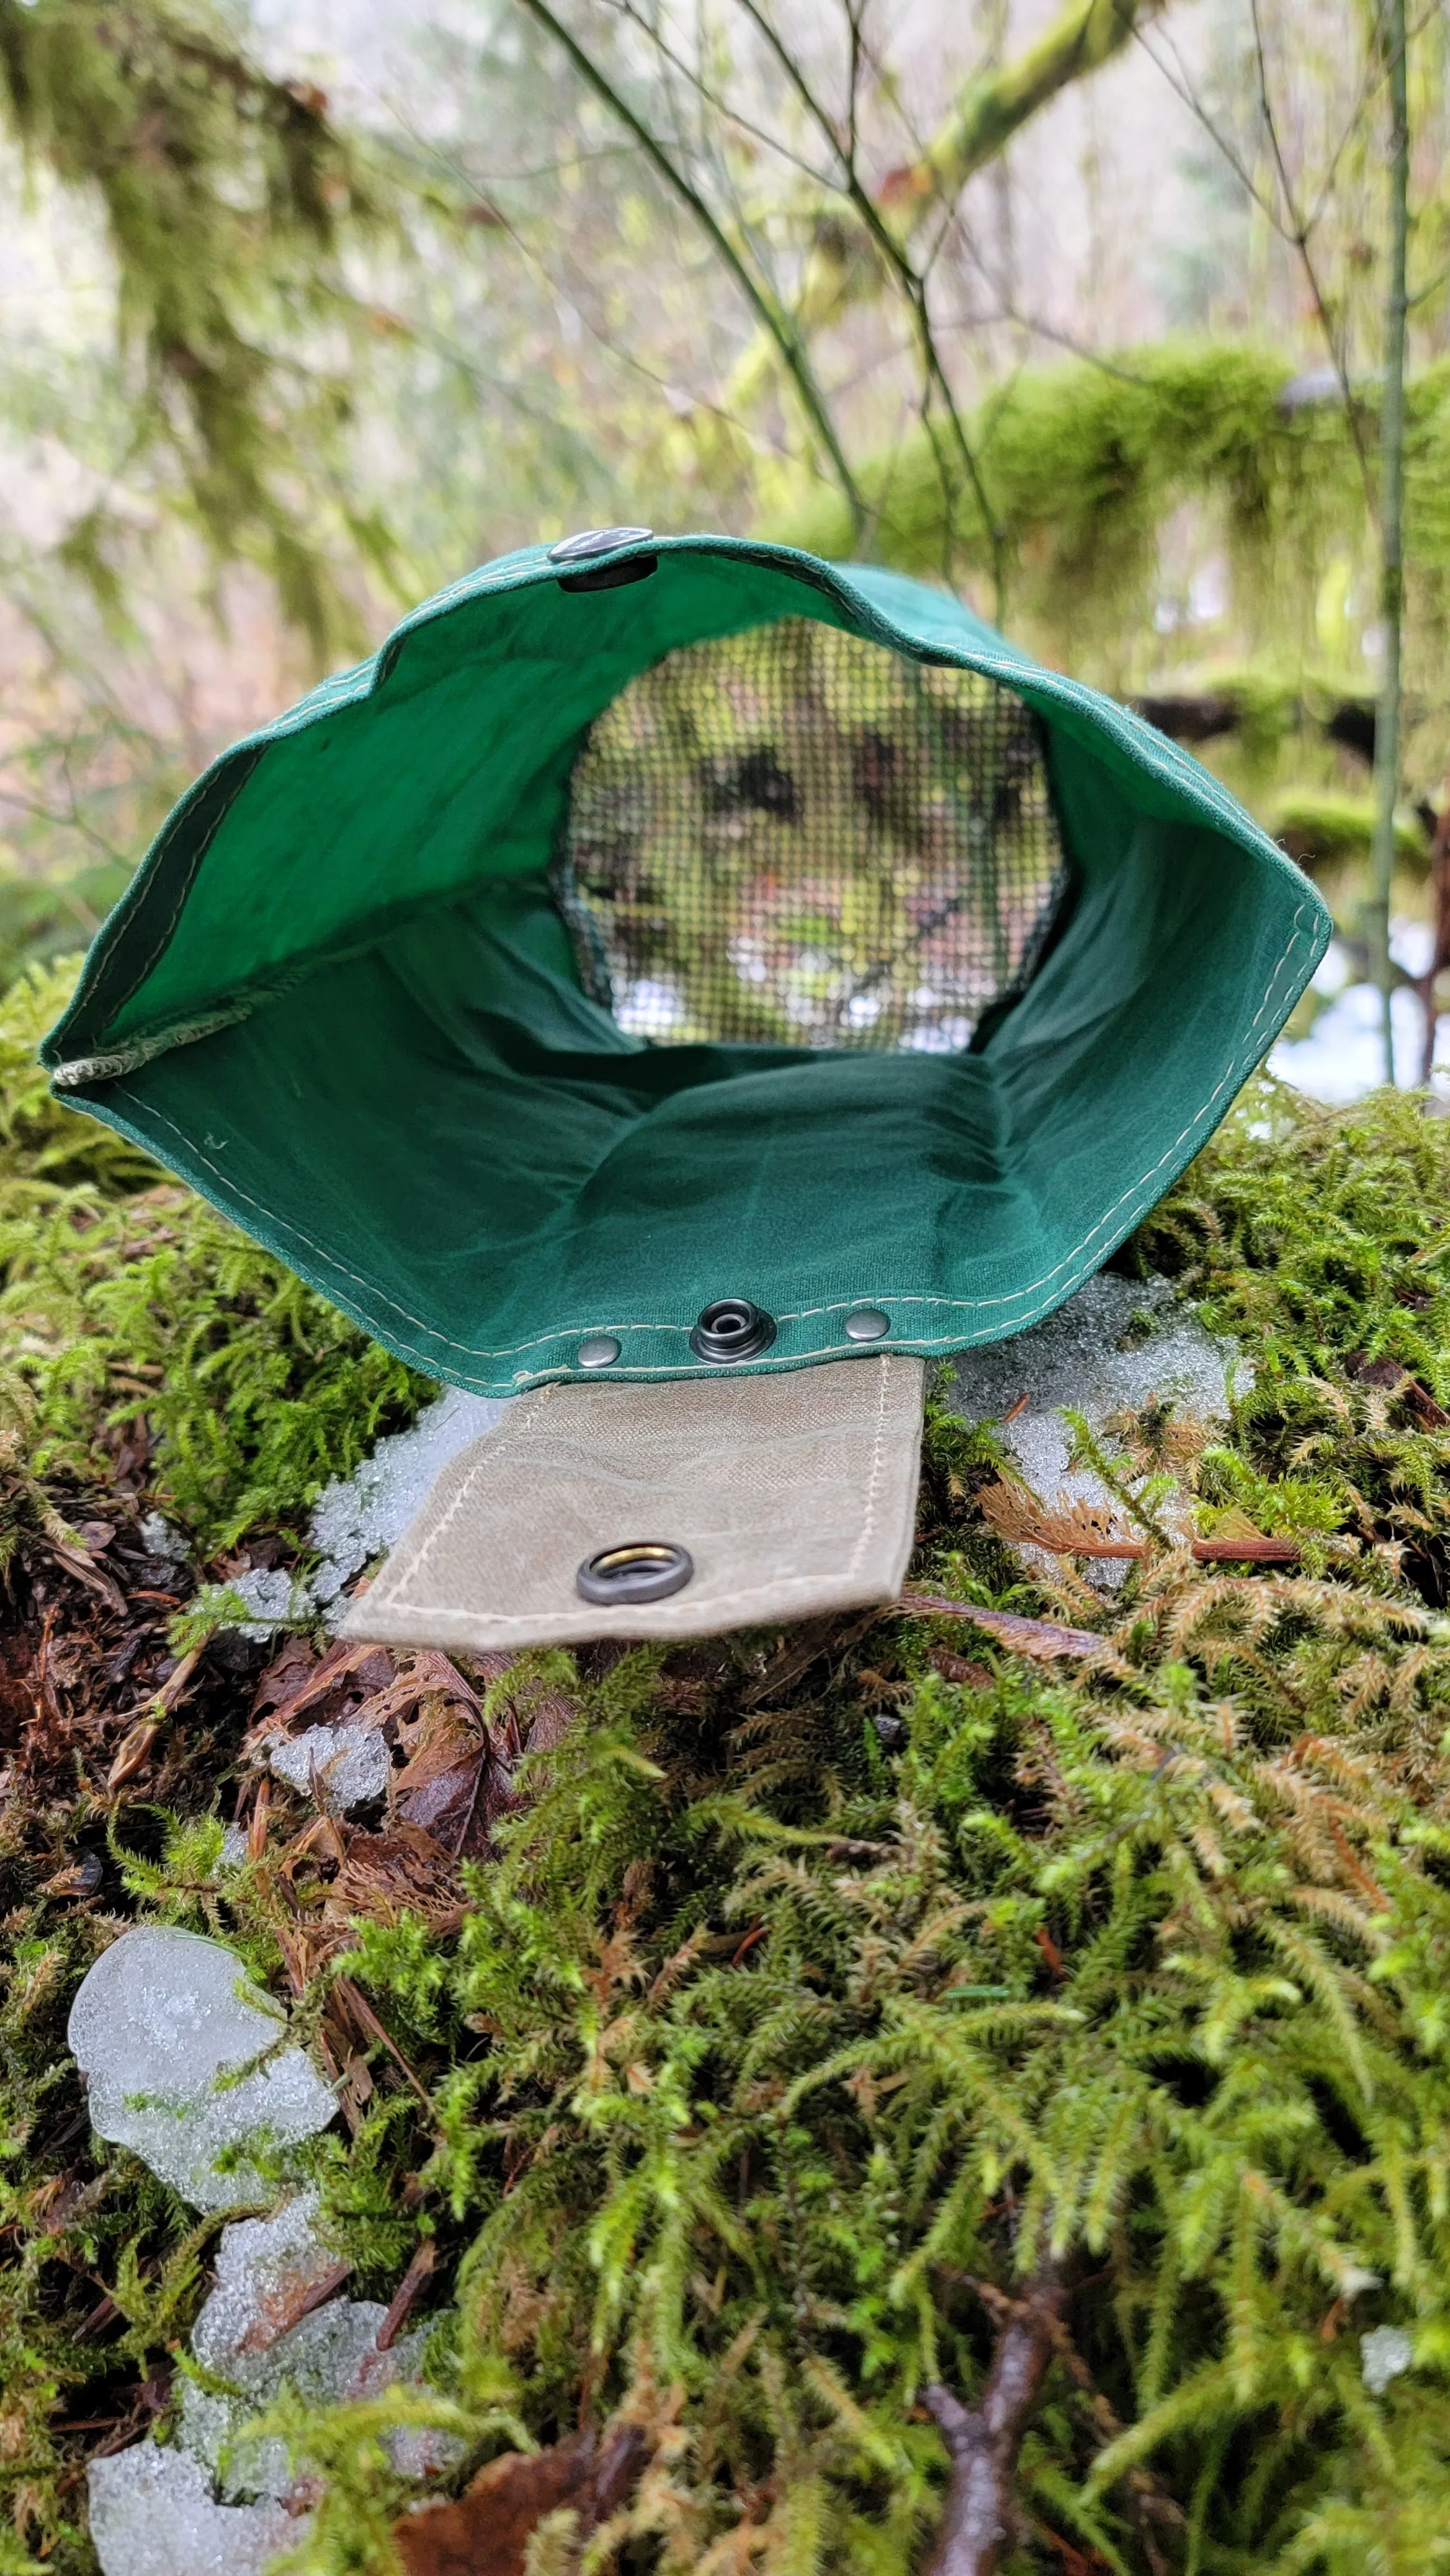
{"x":185,"y":883}
{"x":873,"y":1482}
{"x":721,"y":1601}
{"x":490,"y":1449}
{"x":992,"y":658}
{"x":1238,"y":1069}
{"x":526,"y":1618}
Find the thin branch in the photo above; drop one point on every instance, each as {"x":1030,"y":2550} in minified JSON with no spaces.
{"x":913,"y":286}
{"x":1299,"y":237}
{"x":785,"y":338}
{"x":715,"y":98}
{"x":983,"y":2442}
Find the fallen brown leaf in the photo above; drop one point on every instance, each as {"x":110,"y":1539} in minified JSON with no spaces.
{"x":402,"y":1871}
{"x":486,"y":2533}
{"x":78,"y":1878}
{"x":1395,"y":1379}
{"x":132,"y":1754}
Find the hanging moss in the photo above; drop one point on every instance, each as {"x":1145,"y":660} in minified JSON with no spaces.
{"x":1325,"y":831}
{"x":227,"y":196}
{"x":1084,"y":464}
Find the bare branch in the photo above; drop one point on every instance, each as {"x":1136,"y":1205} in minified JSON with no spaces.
{"x":983,"y":2442}
{"x":784,"y":336}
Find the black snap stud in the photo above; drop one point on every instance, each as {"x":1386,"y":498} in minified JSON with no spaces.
{"x":639,"y":1570}
{"x":732,"y":1329}
{"x":868,"y":1324}
{"x":596,"y":541}
{"x":616,"y":575}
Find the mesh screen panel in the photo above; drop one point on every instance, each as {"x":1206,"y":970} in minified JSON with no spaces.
{"x":793,"y":836}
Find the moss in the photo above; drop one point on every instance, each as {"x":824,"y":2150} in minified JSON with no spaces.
{"x":765,"y":2059}
{"x":1087,"y":462}
{"x":124,"y":1301}
{"x":1323,"y":830}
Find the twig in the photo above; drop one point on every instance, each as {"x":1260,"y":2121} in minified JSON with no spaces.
{"x":405,"y":2297}
{"x":787,"y":339}
{"x":1041,"y":1638}
{"x":1440,"y":953}
{"x":1392,"y":530}
{"x":983,"y":2442}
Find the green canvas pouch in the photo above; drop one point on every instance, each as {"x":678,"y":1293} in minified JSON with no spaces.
{"x":666,"y":928}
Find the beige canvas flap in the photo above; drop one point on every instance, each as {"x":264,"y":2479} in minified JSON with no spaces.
{"x":793,"y":1494}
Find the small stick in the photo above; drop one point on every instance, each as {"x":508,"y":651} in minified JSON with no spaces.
{"x":983,"y":2442}
{"x":405,"y":2297}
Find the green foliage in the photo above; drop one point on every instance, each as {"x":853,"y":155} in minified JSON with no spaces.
{"x":766,"y":2060}
{"x":1086,"y":462}
{"x":122,"y":1295}
{"x":781,"y":2064}
{"x":226,"y":195}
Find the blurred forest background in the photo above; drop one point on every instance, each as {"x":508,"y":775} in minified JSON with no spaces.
{"x":1077,"y":306}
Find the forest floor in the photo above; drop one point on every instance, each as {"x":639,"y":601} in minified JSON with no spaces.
{"x":951,"y":2088}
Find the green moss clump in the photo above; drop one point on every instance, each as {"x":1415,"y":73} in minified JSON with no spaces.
{"x":123,"y":1296}
{"x":1323,"y":830}
{"x":796,"y":2024}
{"x":768,"y":2064}
{"x":1085,"y":464}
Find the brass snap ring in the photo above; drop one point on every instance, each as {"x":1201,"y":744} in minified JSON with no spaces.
{"x":638,"y":1570}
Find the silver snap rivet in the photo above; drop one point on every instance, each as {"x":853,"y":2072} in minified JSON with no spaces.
{"x":601,"y":1350}
{"x":643,"y":1569}
{"x":867,"y":1324}
{"x":596,"y":541}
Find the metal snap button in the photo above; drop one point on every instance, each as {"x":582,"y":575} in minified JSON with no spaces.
{"x":732,"y":1329}
{"x":639,"y":1570}
{"x":867,"y":1324}
{"x":596,"y":541}
{"x":600,"y":1350}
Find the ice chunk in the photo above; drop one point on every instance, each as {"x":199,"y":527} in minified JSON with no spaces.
{"x":1073,"y":1359}
{"x":266,"y":2268}
{"x":330,"y":2355}
{"x":364,"y":1517}
{"x":1383,"y":2355}
{"x":277,"y":1599}
{"x":339,"y":1766}
{"x":153,"y":2514}
{"x":162,"y":2015}
{"x":159,"y":1539}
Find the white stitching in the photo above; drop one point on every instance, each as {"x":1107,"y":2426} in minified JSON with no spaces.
{"x":491,"y":1447}
{"x":522,"y":570}
{"x":1241,"y":1065}
{"x":490,"y":1451}
{"x":873,"y":1482}
{"x":589,"y":1622}
{"x":188,"y":878}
